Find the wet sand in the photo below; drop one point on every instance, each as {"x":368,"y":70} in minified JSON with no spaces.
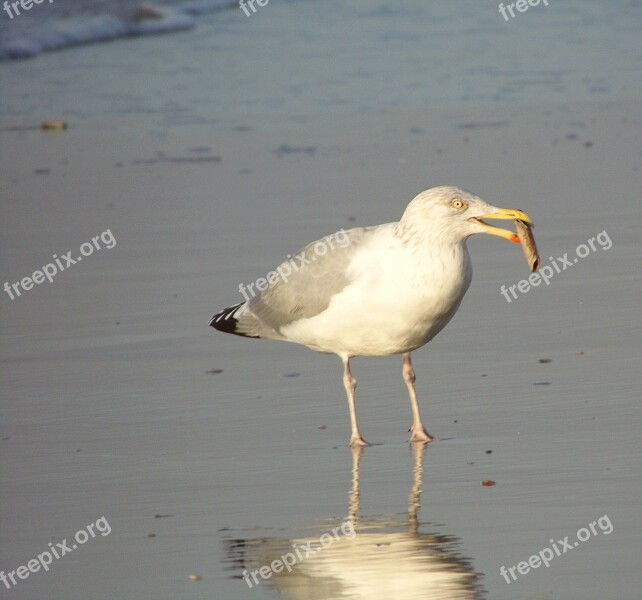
{"x":109,"y":408}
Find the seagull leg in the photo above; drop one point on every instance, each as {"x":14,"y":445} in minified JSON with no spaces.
{"x":350,"y":384}
{"x":418,"y":432}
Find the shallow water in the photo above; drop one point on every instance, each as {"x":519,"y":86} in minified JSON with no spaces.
{"x":296,"y":60}
{"x":109,"y":408}
{"x":382,"y":558}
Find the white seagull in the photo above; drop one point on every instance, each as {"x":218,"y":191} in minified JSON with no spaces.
{"x":388,"y":290}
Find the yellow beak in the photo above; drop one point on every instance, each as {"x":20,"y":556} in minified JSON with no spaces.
{"x":510,"y":214}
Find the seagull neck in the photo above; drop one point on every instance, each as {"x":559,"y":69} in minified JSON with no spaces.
{"x":427,"y":238}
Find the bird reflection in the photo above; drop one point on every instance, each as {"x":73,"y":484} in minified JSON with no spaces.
{"x":374,"y":559}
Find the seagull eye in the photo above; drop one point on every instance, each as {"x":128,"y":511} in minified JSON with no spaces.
{"x":457,"y":203}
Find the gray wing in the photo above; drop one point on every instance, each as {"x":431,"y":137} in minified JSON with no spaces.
{"x":304,"y":290}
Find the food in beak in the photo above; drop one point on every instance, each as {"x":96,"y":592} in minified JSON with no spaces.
{"x":528,"y":244}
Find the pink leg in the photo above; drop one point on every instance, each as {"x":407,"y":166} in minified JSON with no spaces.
{"x":418,"y":432}
{"x":350,"y":384}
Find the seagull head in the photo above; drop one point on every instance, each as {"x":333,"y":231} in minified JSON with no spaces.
{"x":456,"y":213}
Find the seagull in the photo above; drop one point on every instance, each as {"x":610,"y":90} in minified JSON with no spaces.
{"x":374,"y":291}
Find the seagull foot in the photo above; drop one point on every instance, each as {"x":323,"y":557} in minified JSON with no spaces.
{"x":420,"y":434}
{"x":356,"y":441}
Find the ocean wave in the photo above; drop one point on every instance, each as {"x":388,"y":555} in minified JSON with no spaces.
{"x":140,"y":20}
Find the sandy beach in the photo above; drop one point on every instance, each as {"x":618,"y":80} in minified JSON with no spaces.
{"x":209,"y":455}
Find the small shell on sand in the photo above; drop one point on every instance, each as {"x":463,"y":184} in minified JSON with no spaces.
{"x":528,"y":245}
{"x":195,"y":577}
{"x":53,"y":125}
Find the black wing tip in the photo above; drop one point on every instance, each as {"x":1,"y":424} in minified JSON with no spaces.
{"x":226,"y":322}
